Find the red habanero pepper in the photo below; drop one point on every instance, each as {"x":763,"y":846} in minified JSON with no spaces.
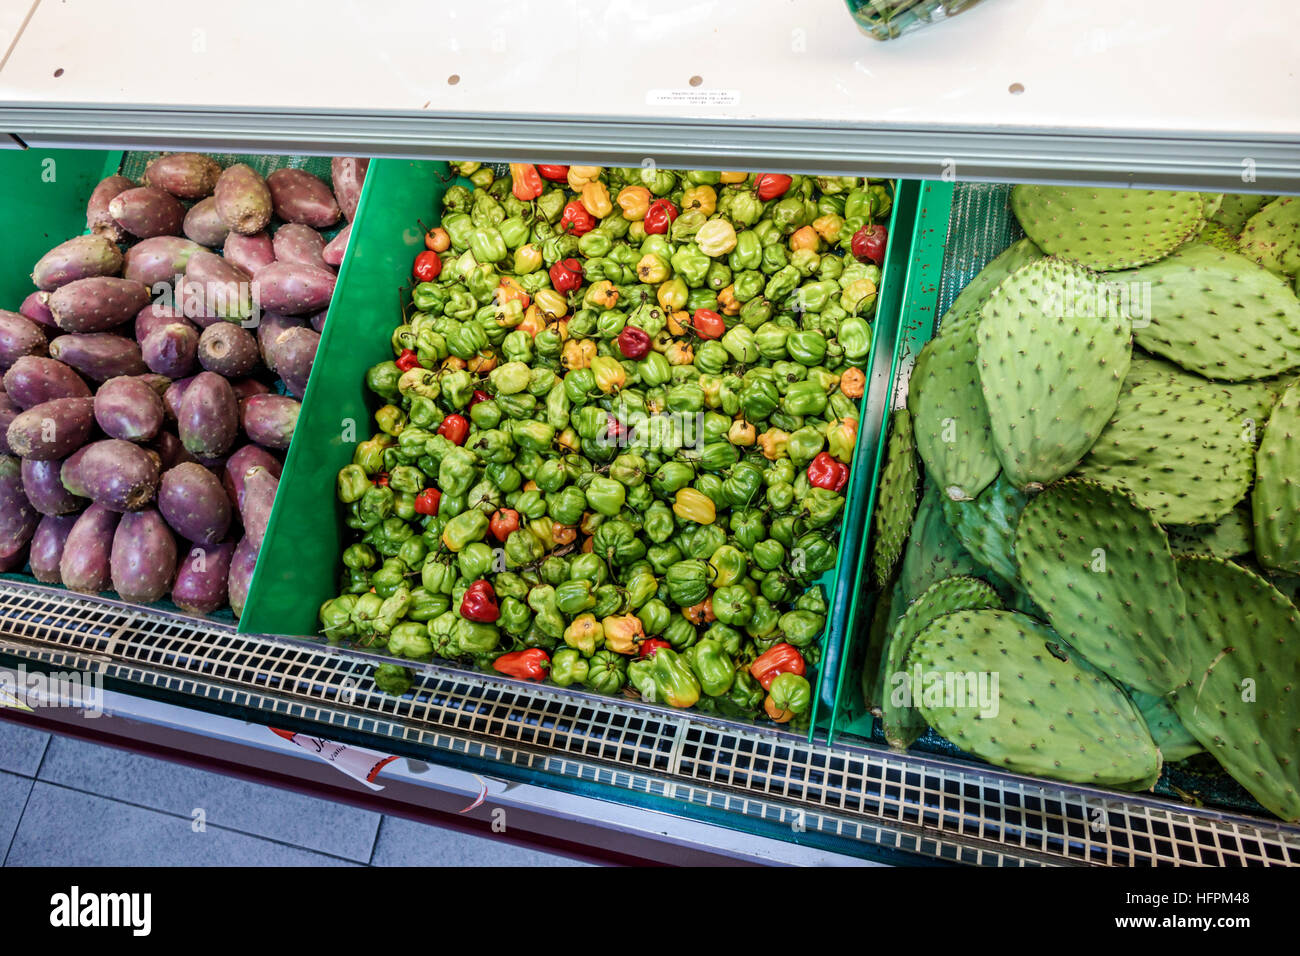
{"x":708,"y":324}
{"x":868,"y":244}
{"x":427,"y":266}
{"x":531,"y":664}
{"x":454,"y":428}
{"x":634,"y":343}
{"x":408,"y":360}
{"x":651,"y":646}
{"x":615,"y":431}
{"x":566,"y":275}
{"x":478,"y":396}
{"x":659,"y":217}
{"x":556,"y":174}
{"x":480,"y":603}
{"x":825,"y":472}
{"x":525,"y":182}
{"x":771,"y":185}
{"x":776,"y":660}
{"x":575,"y":219}
{"x":381,"y":479}
{"x":427,"y":501}
{"x":504,"y":521}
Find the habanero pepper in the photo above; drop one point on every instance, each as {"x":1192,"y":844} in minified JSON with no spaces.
{"x":825,"y":472}
{"x":503,"y":522}
{"x":708,"y":324}
{"x":480,"y":603}
{"x":661,"y":214}
{"x":408,"y":360}
{"x":771,"y":185}
{"x":555,"y":174}
{"x":427,"y":266}
{"x":531,"y":664}
{"x":575,"y":220}
{"x":566,"y":275}
{"x":454,"y":428}
{"x":778,"y":659}
{"x":479,"y":396}
{"x":634,"y":343}
{"x":650,"y":646}
{"x":427,"y":501}
{"x":868,"y":244}
{"x":525,"y":181}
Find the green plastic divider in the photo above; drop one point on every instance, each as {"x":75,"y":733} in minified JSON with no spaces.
{"x":44,"y":203}
{"x":297,"y":568}
{"x":914,"y":323}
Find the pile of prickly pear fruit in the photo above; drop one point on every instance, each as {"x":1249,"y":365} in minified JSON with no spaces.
{"x":151,"y":381}
{"x":1108,"y":531}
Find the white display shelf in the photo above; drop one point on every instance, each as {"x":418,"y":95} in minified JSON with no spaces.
{"x":1161,"y":92}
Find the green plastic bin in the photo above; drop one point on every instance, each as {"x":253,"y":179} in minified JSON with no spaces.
{"x":298,"y":567}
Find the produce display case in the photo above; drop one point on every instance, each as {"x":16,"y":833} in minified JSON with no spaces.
{"x":760,"y":791}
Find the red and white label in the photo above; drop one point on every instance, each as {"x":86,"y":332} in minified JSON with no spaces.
{"x":358,"y":763}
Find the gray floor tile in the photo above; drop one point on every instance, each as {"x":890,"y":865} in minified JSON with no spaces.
{"x":407,"y":843}
{"x":252,"y":808}
{"x":21,"y":748}
{"x":68,"y":828}
{"x":13,"y":796}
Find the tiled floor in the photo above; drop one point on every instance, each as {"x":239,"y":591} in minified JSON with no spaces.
{"x":66,"y":802}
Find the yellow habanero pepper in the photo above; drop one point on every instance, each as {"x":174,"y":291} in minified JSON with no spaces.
{"x":609,"y":372}
{"x":577,"y":354}
{"x":716,"y":238}
{"x":533,"y":321}
{"x":595,"y":199}
{"x":678,"y":322}
{"x":853,"y":382}
{"x":727,"y":303}
{"x":805,"y":238}
{"x":601,"y":295}
{"x":775,"y":444}
{"x":528,"y":258}
{"x":679,"y":353}
{"x":634,"y":201}
{"x":585,"y":634}
{"x":509,"y":290}
{"x":551,"y":303}
{"x":622,"y":633}
{"x":452,"y":364}
{"x":672,"y":294}
{"x":692,"y":505}
{"x":483,"y":363}
{"x":579,"y":176}
{"x":542,"y":528}
{"x":700,"y":198}
{"x":652,"y":270}
{"x":728,"y":178}
{"x":828,"y":226}
{"x":569,"y":441}
{"x":741,"y":433}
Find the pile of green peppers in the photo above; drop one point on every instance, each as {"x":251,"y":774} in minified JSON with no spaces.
{"x":646,"y":519}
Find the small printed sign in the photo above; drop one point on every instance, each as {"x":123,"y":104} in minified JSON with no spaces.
{"x":692,"y":96}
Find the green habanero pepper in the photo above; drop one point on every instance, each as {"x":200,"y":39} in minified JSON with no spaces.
{"x":607,"y":672}
{"x":714,"y":669}
{"x":568,"y":667}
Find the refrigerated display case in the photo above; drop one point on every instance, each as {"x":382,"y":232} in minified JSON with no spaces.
{"x":643,"y":781}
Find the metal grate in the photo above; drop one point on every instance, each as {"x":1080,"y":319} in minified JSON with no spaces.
{"x":853,"y":798}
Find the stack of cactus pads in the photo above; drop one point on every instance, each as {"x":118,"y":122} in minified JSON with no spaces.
{"x":1097,"y":475}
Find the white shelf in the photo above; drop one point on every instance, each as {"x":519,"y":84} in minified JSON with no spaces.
{"x":1115,"y":90}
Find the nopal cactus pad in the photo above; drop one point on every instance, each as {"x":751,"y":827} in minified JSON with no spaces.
{"x":1175,"y":741}
{"x":1051,"y":366}
{"x":933,"y":551}
{"x":903,"y":723}
{"x":1182,"y":451}
{"x":896,"y":504}
{"x":1217,"y":314}
{"x":1107,"y":229}
{"x":953,"y":433}
{"x":1056,"y":716}
{"x":1275,"y":503}
{"x":1243,"y":699}
{"x":1230,"y":537}
{"x":1272,"y":236}
{"x":986,"y":527}
{"x":968,"y":302}
{"x":1100,"y":568}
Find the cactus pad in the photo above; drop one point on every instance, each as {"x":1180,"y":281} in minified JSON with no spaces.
{"x":896,"y":504}
{"x":953,"y":434}
{"x":1243,"y":698}
{"x":1107,"y":229}
{"x":1216,"y":313}
{"x":1275,"y":504}
{"x":1272,"y":236}
{"x":1175,"y":741}
{"x":1057,"y":716}
{"x":1231,"y":536}
{"x":972,"y":297}
{"x":1237,"y":208}
{"x":1100,"y":567}
{"x":1183,"y":452}
{"x":903,"y":724}
{"x":986,"y":527}
{"x":1051,"y":368}
{"x":933,"y":552}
